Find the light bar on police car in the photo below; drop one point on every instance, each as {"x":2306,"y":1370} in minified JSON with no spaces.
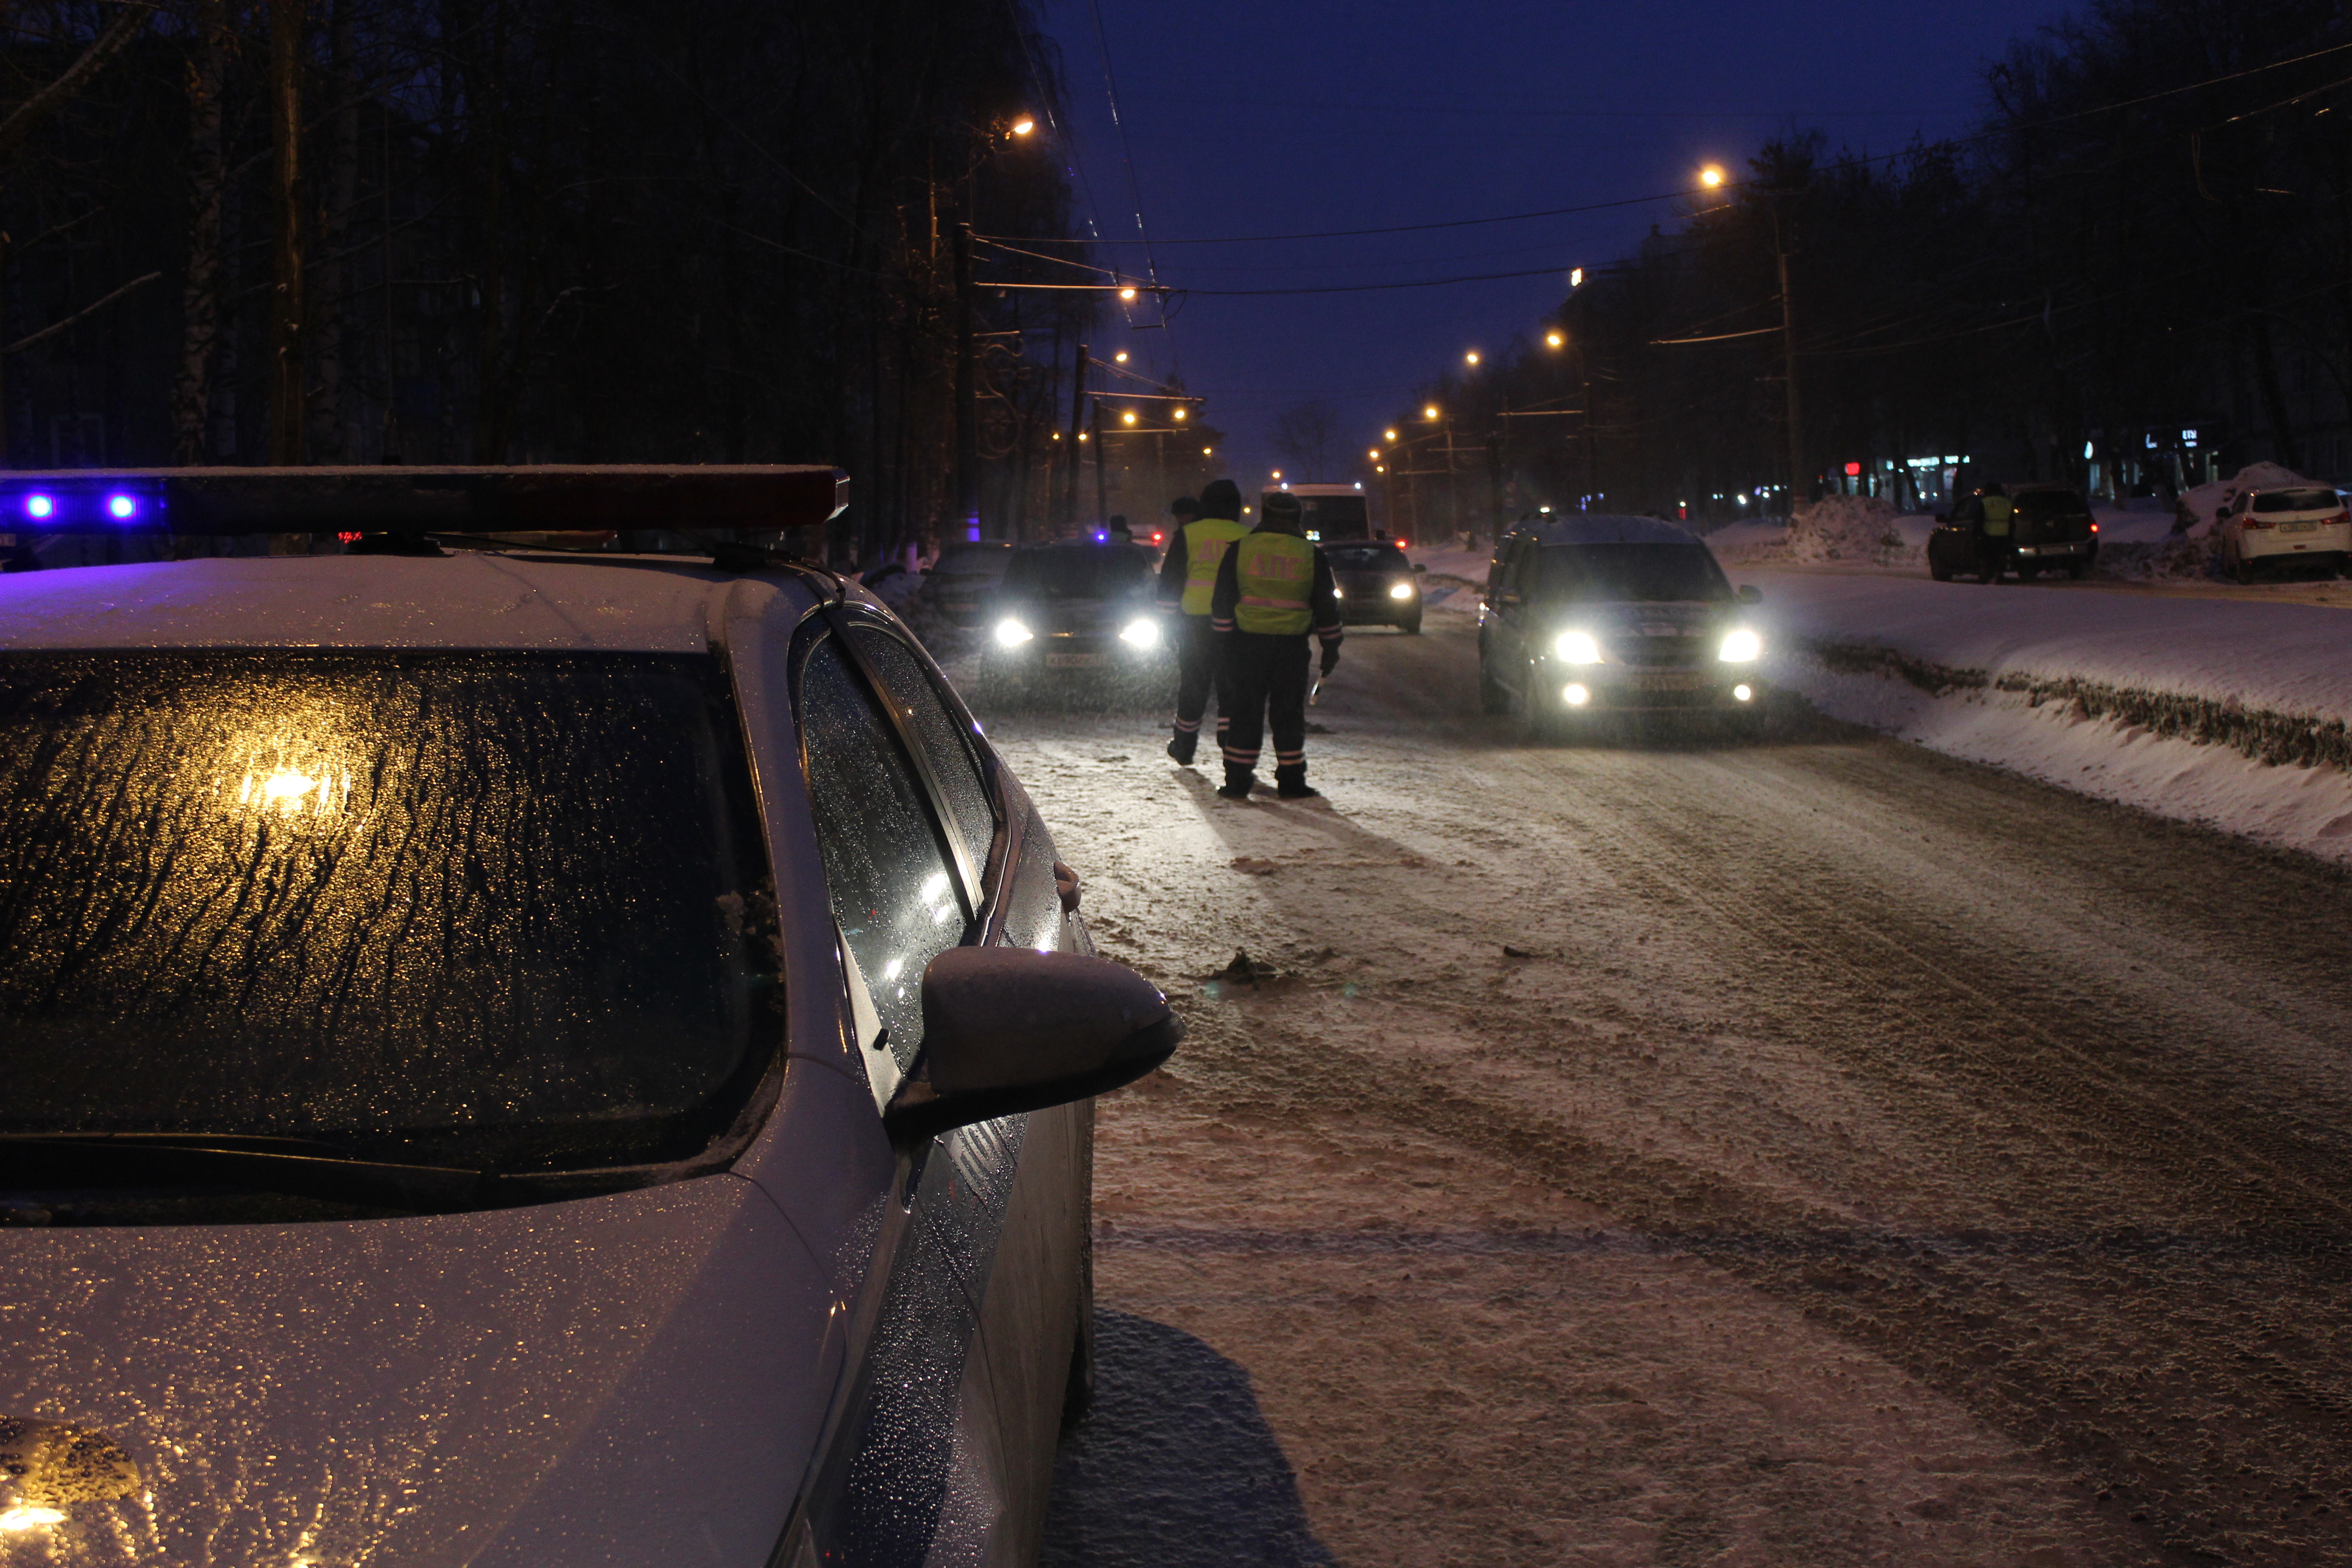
{"x":401,"y":500}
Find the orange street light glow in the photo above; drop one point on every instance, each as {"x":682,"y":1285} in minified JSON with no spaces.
{"x":1127,"y":293}
{"x":1023,"y":126}
{"x":1430,"y":412}
{"x":1711,"y":176}
{"x":1555,"y":339}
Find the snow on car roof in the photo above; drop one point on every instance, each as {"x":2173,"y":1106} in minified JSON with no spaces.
{"x":467,"y":600}
{"x":1603,"y":527}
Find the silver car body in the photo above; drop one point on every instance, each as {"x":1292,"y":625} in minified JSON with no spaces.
{"x":833,"y":1346}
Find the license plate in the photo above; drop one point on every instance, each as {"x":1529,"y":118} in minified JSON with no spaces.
{"x":1075,"y":660}
{"x":2298,"y":528}
{"x":1668,"y":680}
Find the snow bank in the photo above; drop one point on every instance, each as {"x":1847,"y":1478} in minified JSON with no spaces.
{"x":2131,"y":547}
{"x":1857,"y":531}
{"x":2251,"y":702}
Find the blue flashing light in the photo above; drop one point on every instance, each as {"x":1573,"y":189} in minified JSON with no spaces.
{"x":39,"y":504}
{"x":121,"y":507}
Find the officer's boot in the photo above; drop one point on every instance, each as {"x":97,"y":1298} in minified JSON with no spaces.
{"x":1183,"y":744}
{"x":1290,"y":783}
{"x":1237,"y":781}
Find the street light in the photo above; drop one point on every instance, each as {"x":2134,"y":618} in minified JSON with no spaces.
{"x":1120,"y":357}
{"x":1127,"y":418}
{"x":1388,"y":435}
{"x":1472,"y":356}
{"x":1374,"y":453}
{"x":1182,"y":412}
{"x":1127,"y":293}
{"x":1554,"y":340}
{"x":1023,"y":126}
{"x":1711,"y":176}
{"x":1430,"y":412}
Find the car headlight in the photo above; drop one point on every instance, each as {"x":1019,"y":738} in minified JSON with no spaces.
{"x":1576,"y":647}
{"x":1141,"y":633}
{"x":1010,"y":633}
{"x":1399,"y":590}
{"x":1741,"y":647}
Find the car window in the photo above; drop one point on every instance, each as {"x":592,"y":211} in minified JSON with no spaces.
{"x":973,"y":560}
{"x":886,"y":869}
{"x":2295,"y":500}
{"x":1078,"y":572}
{"x":497,"y":909}
{"x":2043,"y":506}
{"x":947,"y":745}
{"x":1637,"y":572}
{"x":1366,"y":557}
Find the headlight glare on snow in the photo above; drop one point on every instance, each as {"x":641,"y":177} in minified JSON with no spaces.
{"x":1401,"y":591}
{"x":1742,"y":646}
{"x":1143,"y":632}
{"x":1576,"y":647}
{"x":1010,"y":633}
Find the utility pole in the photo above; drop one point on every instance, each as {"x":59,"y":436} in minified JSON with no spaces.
{"x":1102,"y":480}
{"x":967,"y":421}
{"x":1797,"y":484}
{"x":1069,"y":518}
{"x":288,"y":402}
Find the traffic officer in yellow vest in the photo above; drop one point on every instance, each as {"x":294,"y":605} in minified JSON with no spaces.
{"x":1188,"y":575}
{"x":1273,"y":589}
{"x":1995,"y":531}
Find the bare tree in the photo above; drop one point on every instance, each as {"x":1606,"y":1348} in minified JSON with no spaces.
{"x":1309,"y":439}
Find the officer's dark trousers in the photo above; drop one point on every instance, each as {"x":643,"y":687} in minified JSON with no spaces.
{"x":1197,"y":675}
{"x":1264,"y":677}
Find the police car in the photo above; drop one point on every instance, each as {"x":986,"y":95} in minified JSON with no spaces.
{"x":1585,"y":616}
{"x":523,"y":1057}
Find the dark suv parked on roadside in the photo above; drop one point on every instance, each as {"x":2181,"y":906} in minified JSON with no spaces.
{"x":2050,"y":530}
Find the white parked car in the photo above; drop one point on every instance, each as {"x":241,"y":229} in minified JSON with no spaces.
{"x":2301,"y":526}
{"x":524,"y":1060}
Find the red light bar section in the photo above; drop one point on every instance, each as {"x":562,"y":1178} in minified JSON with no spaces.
{"x":401,"y":500}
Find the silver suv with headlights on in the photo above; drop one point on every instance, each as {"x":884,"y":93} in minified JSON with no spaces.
{"x":1588,"y":615}
{"x":1077,"y":618}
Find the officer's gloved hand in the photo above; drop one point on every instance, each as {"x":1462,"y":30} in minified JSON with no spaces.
{"x":1330,"y":659}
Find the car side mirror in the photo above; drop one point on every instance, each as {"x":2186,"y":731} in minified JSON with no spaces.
{"x":1749,"y":594}
{"x":1008,"y":1029}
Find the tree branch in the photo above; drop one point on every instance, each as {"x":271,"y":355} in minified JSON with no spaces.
{"x":27,"y":117}
{"x":54,"y":328}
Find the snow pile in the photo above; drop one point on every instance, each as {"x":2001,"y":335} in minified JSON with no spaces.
{"x":1758,"y":539}
{"x":2234,"y":713}
{"x":1853,"y":528}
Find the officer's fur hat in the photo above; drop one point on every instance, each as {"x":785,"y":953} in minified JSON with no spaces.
{"x":1221,"y":498}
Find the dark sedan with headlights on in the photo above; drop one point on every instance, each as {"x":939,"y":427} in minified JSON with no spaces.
{"x":1077,"y":619}
{"x":1378,"y":587}
{"x":1590,"y":615}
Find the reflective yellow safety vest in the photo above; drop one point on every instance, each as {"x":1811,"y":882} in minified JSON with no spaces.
{"x":1206,"y":539}
{"x":1997,"y":511}
{"x":1276,"y":572}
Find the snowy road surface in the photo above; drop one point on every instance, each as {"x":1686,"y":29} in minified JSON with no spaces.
{"x":1823,"y":1151}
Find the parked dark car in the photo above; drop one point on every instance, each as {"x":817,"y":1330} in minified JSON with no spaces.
{"x":959,"y":581}
{"x":1592,"y":615}
{"x":1076,"y":616}
{"x":2049,"y":530}
{"x":1378,"y":587}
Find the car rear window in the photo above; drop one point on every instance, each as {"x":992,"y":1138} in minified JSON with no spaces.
{"x":501,"y":911}
{"x":1334,"y":517}
{"x":1367,"y":558}
{"x":1078,"y":572}
{"x":2041,"y":506}
{"x":1638,"y":573}
{"x":2297,"y":500}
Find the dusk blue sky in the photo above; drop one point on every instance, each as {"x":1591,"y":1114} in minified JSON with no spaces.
{"x":1251,"y":119}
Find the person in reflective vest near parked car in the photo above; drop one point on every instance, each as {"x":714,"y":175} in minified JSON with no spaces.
{"x":1187,"y":576}
{"x":1272,"y":588}
{"x":1994,"y":532}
